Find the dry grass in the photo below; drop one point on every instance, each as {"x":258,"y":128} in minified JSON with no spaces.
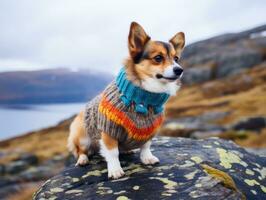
{"x":241,"y":96}
{"x":245,"y":96}
{"x":27,"y":192}
{"x":250,"y":139}
{"x":254,"y":140}
{"x":45,"y":143}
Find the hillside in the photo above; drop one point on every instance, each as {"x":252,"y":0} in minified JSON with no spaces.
{"x":50,"y":86}
{"x":225,"y":88}
{"x":223,"y":95}
{"x":224,"y":55}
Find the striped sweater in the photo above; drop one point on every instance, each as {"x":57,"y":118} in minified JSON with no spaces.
{"x":109,"y":113}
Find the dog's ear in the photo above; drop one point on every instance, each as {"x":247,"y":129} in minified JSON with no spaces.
{"x":137,"y":40}
{"x":178,"y":41}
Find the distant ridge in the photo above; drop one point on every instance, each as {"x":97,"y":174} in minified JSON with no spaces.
{"x":50,"y":86}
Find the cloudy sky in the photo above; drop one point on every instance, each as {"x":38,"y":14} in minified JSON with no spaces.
{"x":93,"y":34}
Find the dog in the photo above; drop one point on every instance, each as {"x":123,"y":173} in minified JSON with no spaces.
{"x":127,"y":114}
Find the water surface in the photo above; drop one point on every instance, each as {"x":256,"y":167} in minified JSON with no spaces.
{"x":18,"y":119}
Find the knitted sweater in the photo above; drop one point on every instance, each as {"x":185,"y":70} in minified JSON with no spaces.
{"x":115,"y":113}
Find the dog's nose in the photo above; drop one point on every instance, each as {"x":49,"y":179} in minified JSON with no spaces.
{"x":178,"y":71}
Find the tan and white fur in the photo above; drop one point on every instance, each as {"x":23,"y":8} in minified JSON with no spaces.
{"x":151,"y":65}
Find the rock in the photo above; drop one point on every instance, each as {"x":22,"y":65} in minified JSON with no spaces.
{"x":234,"y":61}
{"x":16,"y":167}
{"x":36,"y":173}
{"x":7,"y":186}
{"x":2,"y":169}
{"x":212,"y":116}
{"x":198,"y":169}
{"x":186,"y":126}
{"x":197,"y":75}
{"x":23,"y":162}
{"x":42,"y":171}
{"x":174,"y":128}
{"x":205,"y":134}
{"x":253,"y":123}
{"x":4,"y":181}
{"x":230,"y":53}
{"x":30,"y":159}
{"x":260,"y":152}
{"x":56,"y":160}
{"x":235,"y":135}
{"x":70,"y":159}
{"x":205,"y":46}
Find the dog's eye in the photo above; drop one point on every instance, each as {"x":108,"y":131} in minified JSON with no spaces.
{"x":158,"y":58}
{"x":176,"y":59}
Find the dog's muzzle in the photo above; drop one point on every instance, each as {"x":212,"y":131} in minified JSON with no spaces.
{"x":172,"y":73}
{"x":178,"y":71}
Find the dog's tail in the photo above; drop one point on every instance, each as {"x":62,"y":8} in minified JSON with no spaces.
{"x":78,"y":141}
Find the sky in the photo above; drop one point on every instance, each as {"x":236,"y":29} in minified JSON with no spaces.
{"x":93,"y":34}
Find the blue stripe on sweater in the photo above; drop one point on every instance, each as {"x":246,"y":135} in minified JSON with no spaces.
{"x":141,"y":98}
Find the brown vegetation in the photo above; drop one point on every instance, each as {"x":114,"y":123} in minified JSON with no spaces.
{"x":242,"y":95}
{"x":45,"y":143}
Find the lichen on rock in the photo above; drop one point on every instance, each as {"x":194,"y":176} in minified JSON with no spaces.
{"x":189,"y":169}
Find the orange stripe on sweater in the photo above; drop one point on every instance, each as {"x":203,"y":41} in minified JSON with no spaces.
{"x":120,"y":118}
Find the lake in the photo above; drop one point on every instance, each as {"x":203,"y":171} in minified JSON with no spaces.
{"x":19,"y":119}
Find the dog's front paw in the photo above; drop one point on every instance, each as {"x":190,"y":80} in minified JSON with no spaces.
{"x":115,"y":172}
{"x":149,"y":159}
{"x":82,"y":160}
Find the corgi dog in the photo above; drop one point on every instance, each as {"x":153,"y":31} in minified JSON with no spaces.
{"x":127,"y":114}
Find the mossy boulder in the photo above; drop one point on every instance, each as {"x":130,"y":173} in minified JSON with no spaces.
{"x":189,"y":169}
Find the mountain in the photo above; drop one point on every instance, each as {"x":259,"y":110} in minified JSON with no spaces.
{"x":50,"y":86}
{"x":224,"y":55}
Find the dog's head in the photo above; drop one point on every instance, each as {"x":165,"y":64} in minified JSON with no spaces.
{"x":154,"y":63}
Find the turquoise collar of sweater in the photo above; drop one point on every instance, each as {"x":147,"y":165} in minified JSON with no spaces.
{"x":142,"y":99}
